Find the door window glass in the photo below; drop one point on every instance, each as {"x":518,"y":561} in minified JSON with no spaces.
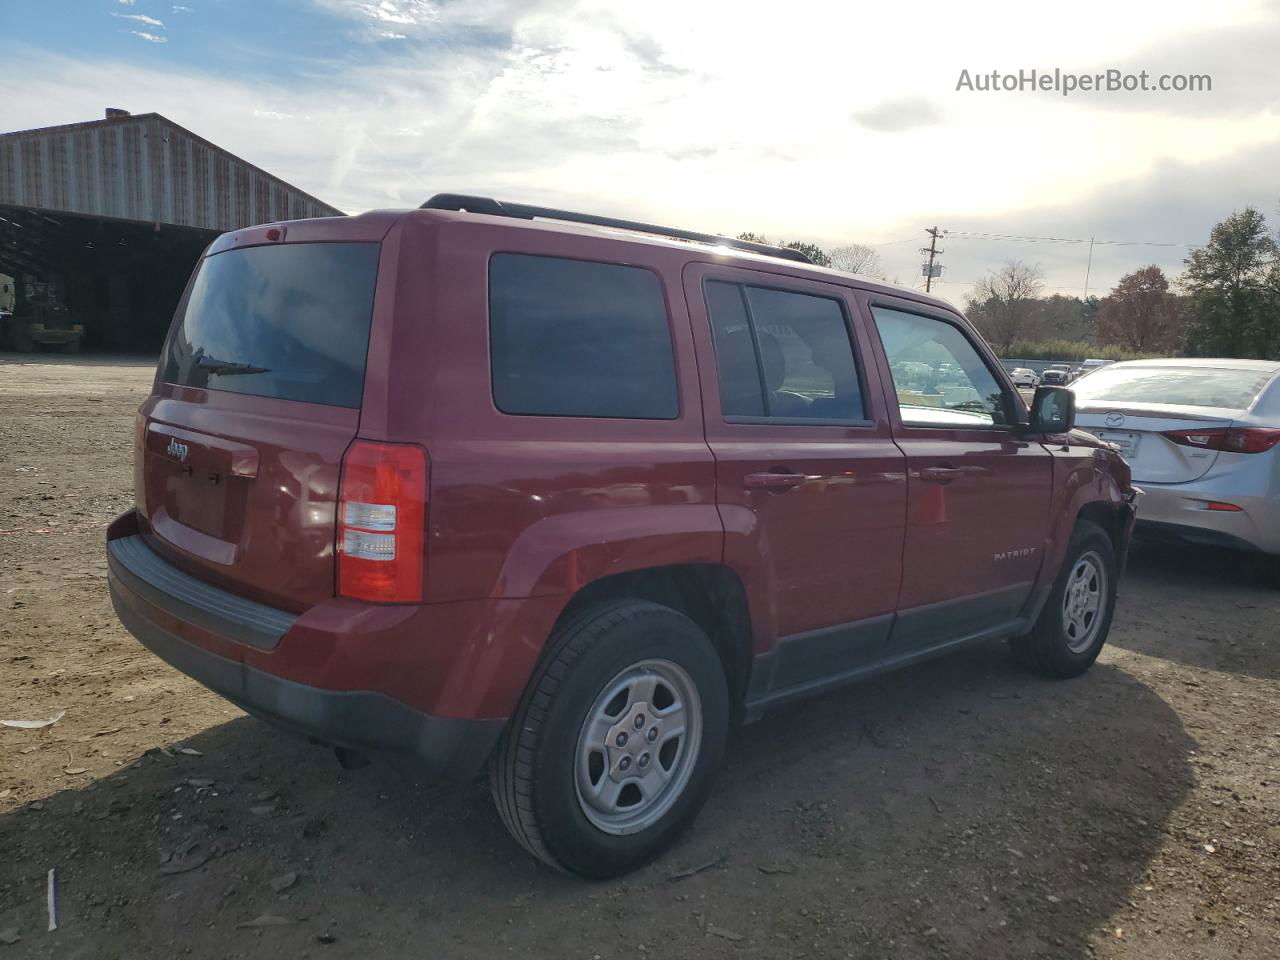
{"x":940,"y":378}
{"x":782,"y":355}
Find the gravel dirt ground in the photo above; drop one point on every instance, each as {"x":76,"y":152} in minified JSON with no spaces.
{"x":961,"y":808}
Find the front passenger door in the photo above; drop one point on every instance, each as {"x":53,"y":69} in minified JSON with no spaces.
{"x":978,"y":492}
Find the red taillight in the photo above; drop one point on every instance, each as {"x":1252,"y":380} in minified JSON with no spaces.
{"x":382,"y":518}
{"x":1231,"y":439}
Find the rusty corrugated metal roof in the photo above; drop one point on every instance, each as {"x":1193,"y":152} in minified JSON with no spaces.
{"x":144,"y":168}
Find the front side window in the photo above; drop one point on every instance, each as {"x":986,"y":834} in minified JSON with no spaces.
{"x":939,"y":377}
{"x":574,"y":338}
{"x":782,"y":355}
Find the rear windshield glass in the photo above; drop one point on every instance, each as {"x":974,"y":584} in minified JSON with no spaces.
{"x":288,"y":321}
{"x":1182,"y":386}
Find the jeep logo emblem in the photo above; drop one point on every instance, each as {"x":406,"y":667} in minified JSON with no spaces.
{"x":176,"y":450}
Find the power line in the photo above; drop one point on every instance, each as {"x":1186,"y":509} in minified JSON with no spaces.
{"x":975,"y":235}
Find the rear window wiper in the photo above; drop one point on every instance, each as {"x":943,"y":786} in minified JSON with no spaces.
{"x":226,"y":368}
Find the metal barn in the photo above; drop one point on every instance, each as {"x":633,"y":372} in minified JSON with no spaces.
{"x":102,"y":222}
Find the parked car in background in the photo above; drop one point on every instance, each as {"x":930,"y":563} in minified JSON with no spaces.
{"x":1090,"y":365}
{"x":484,"y":487}
{"x":1203,"y":440}
{"x":1022,"y":377}
{"x":1057,"y":376}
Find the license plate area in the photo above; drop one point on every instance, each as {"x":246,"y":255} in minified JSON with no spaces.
{"x":199,"y":481}
{"x":1125,"y":441}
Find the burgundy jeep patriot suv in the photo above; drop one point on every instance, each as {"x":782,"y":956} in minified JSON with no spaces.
{"x":489,"y":484}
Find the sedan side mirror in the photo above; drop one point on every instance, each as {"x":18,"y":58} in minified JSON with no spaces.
{"x":1053,"y":410}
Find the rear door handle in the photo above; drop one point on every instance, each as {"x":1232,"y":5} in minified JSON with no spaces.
{"x":942,"y":474}
{"x":774,"y":481}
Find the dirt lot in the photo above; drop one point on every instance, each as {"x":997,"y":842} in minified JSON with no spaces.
{"x":958,"y":809}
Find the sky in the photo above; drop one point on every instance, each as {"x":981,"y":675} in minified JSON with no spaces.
{"x":831,"y":122}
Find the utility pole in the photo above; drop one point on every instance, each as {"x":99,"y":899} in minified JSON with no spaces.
{"x":1084,"y":303}
{"x":931,"y":251}
{"x":1088,"y":269}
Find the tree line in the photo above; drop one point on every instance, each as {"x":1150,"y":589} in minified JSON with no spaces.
{"x":1226,"y":301}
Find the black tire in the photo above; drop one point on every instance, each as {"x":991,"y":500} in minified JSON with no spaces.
{"x":533,"y":773}
{"x":1047,"y":648}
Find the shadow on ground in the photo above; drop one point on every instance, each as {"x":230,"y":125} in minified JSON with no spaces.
{"x":1227,"y":604}
{"x":958,"y":808}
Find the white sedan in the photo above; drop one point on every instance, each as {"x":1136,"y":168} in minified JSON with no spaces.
{"x":1202,"y":438}
{"x":1022,"y":377}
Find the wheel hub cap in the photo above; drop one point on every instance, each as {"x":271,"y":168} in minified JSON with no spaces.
{"x":638,"y":745}
{"x":1082,"y":602}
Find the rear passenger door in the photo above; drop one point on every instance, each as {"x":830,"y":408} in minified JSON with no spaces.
{"x":810,"y":486}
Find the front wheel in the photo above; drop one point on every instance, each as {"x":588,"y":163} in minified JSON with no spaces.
{"x":1073,"y":626}
{"x":613,"y":748}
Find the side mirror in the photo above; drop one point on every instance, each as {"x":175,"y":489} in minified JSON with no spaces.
{"x":1053,"y":410}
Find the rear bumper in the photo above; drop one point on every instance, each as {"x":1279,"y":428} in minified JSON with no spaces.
{"x":1198,"y":535}
{"x":150,"y":601}
{"x":1180,"y":511}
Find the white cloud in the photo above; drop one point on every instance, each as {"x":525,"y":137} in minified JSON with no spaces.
{"x":402,"y":13}
{"x":179,"y":8}
{"x":830,"y":123}
{"x":140,"y":18}
{"x":126,"y":3}
{"x":149,"y":37}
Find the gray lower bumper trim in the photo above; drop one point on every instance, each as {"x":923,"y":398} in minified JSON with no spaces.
{"x":159,"y":582}
{"x":360,"y":720}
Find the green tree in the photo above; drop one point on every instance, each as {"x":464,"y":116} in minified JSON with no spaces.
{"x":1063,"y":317}
{"x":1233,"y":290}
{"x":810,"y":250}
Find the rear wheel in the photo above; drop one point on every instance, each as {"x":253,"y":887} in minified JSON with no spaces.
{"x":1073,"y":626}
{"x":615,"y":742}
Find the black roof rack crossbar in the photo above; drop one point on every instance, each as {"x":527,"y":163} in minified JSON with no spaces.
{"x":523,"y":211}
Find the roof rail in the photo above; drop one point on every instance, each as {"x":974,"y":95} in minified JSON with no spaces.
{"x":523,"y":211}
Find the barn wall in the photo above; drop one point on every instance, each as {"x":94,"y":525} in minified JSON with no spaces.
{"x":147,"y":169}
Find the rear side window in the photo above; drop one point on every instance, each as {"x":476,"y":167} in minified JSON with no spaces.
{"x":289,"y":321}
{"x":782,"y":355}
{"x":574,"y":338}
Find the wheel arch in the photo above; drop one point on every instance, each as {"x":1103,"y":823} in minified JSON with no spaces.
{"x":711,"y":595}
{"x":1110,"y":517}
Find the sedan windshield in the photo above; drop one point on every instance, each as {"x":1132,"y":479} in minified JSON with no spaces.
{"x":1179,"y":386}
